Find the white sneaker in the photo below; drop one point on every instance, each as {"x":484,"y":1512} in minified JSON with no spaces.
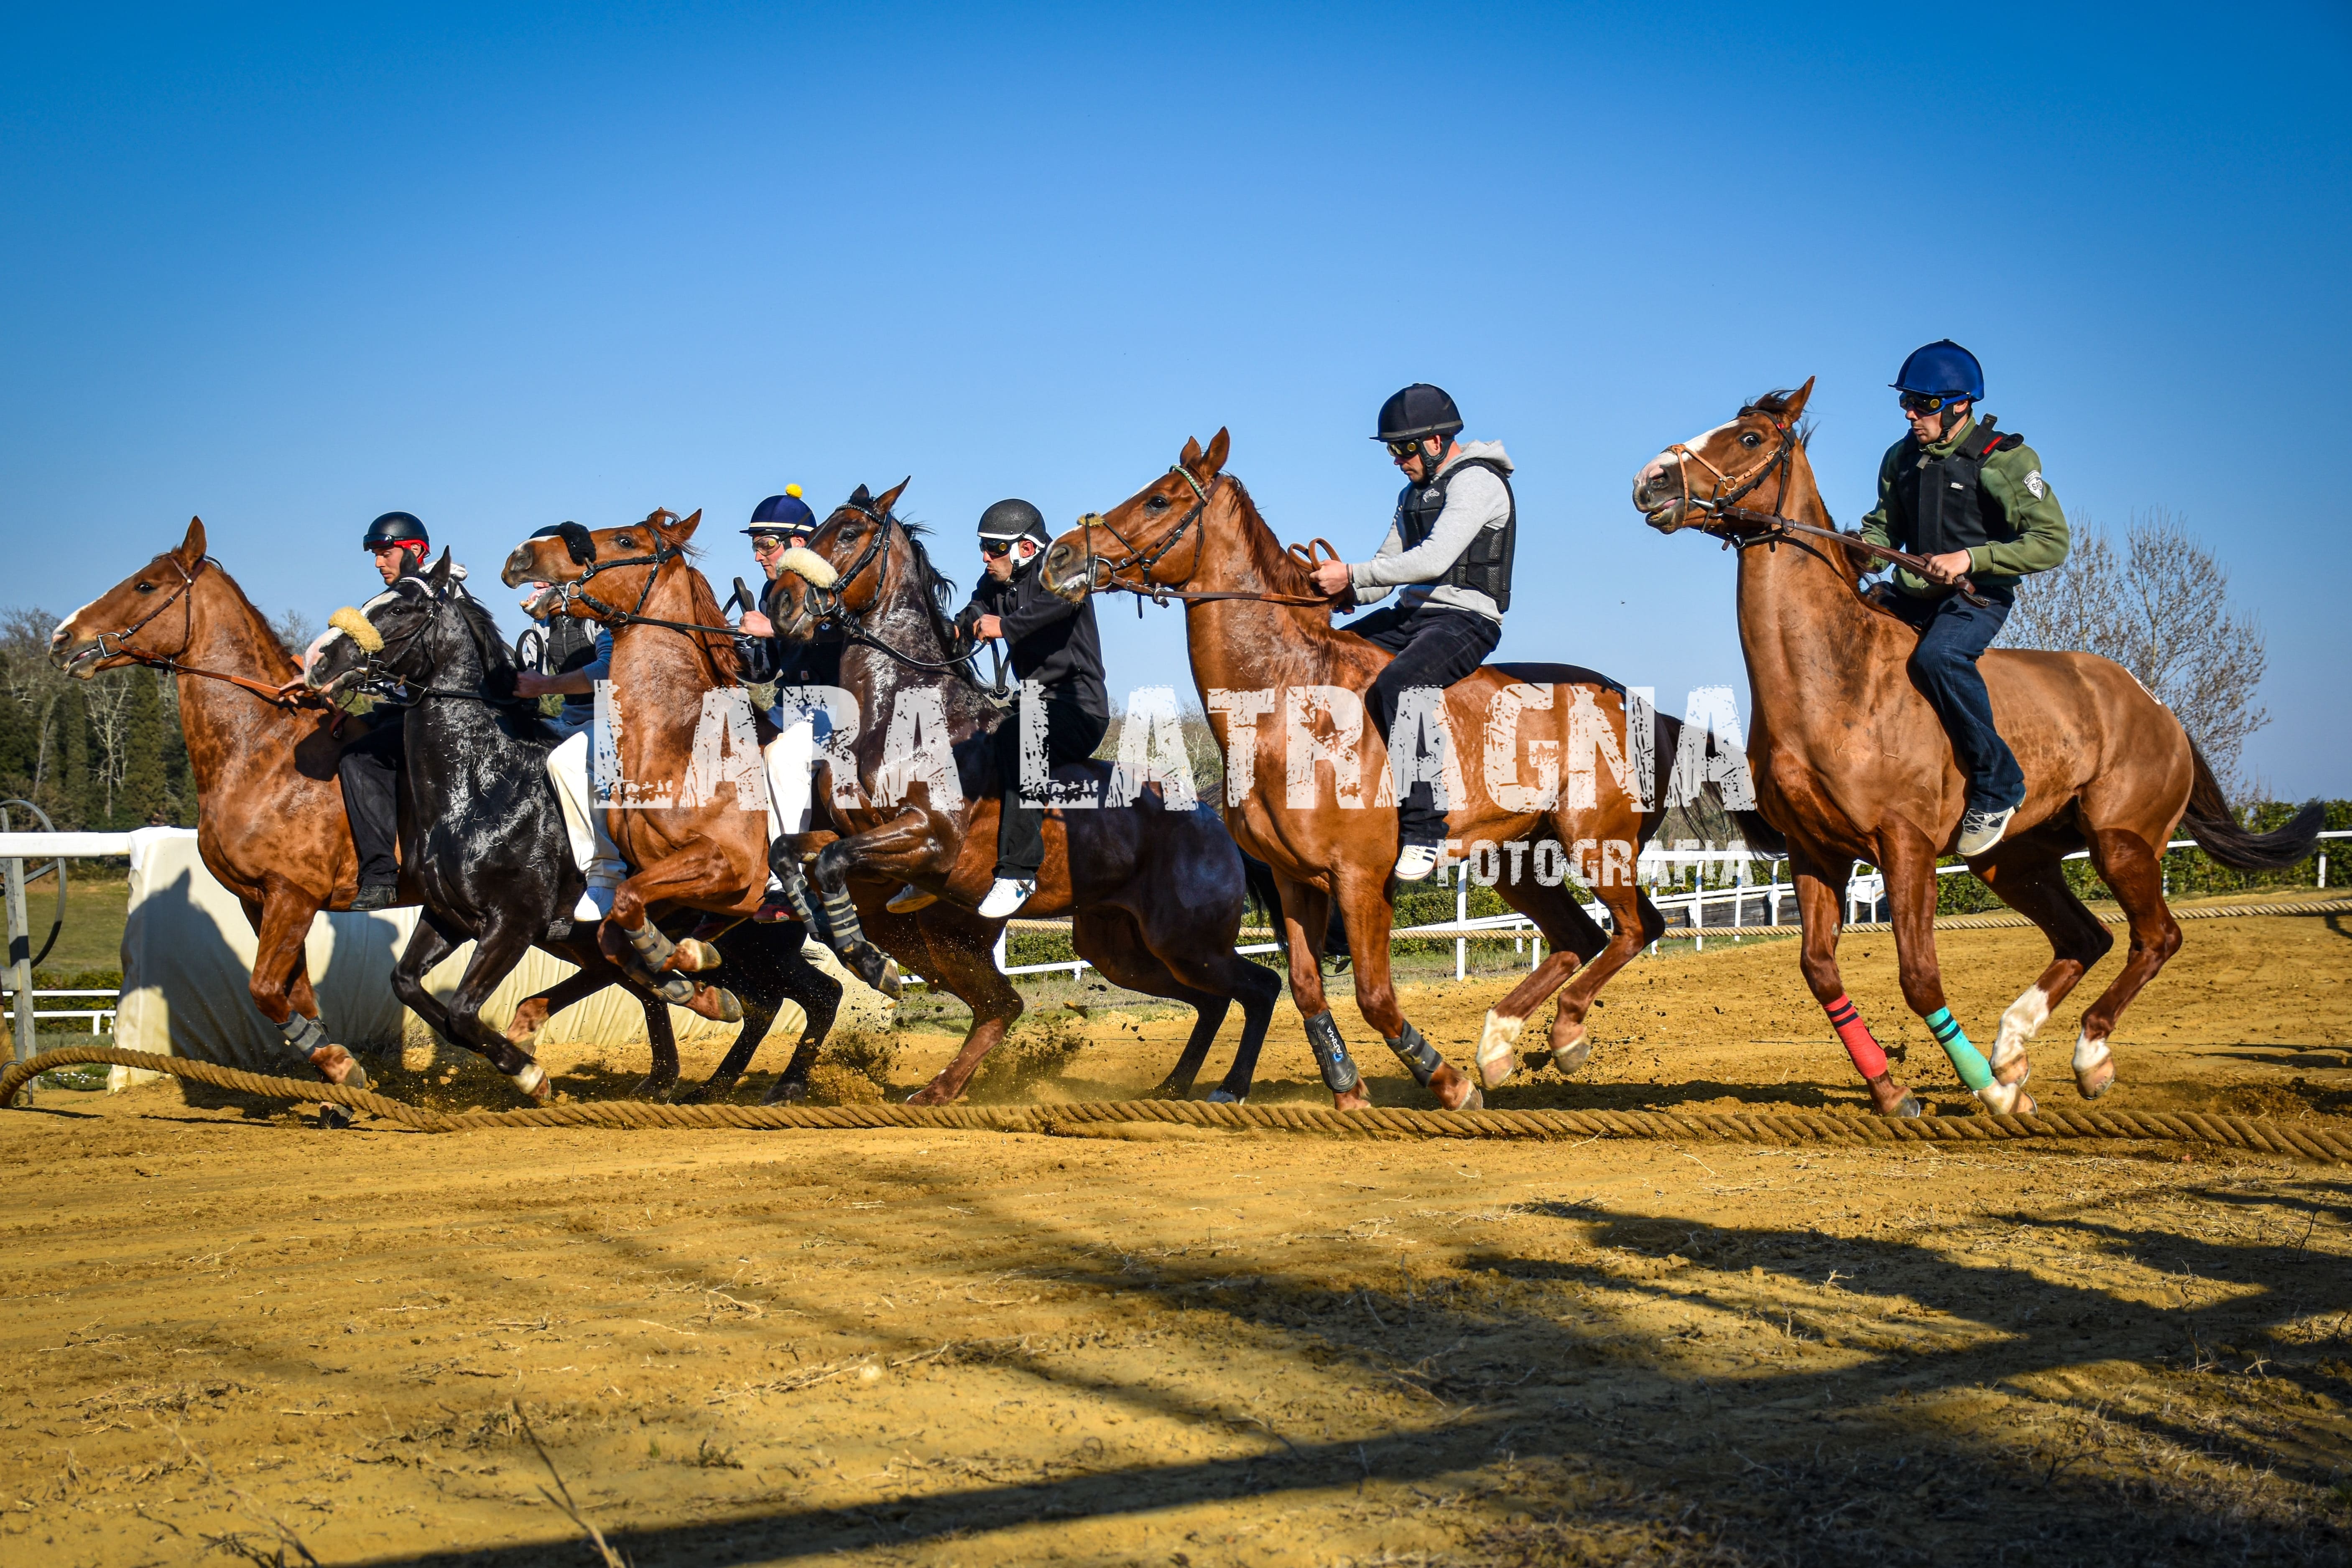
{"x":1004,"y":899}
{"x":1981,"y":829}
{"x":596,"y":900}
{"x":1415,"y":861}
{"x":910,"y":898}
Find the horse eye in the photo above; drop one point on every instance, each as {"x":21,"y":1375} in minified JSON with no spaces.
{"x":1157,"y":503}
{"x":1749,"y":438}
{"x":146,"y":587}
{"x":625,"y":543}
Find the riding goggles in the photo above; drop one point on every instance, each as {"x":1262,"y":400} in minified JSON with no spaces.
{"x":994,"y":548}
{"x":1930,"y":402}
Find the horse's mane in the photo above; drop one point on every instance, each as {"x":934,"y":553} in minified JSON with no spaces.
{"x":708,"y":613}
{"x":1775,"y":403}
{"x":485,"y":629}
{"x":270,"y":640}
{"x":1284,"y":575}
{"x":935,"y":592}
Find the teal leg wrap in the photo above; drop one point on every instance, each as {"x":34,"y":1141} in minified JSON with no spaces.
{"x":1967,"y":1061}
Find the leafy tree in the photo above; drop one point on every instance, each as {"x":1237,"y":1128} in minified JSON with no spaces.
{"x":143,"y":794}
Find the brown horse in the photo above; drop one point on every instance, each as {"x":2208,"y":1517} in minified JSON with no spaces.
{"x":1851,"y":762}
{"x":1155,"y":896}
{"x":270,"y":824}
{"x":671,"y":649}
{"x":1263,"y":645}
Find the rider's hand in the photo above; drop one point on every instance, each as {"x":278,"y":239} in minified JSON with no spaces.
{"x":297,"y":686}
{"x":987,"y":626}
{"x":1331,"y":578}
{"x":1947,"y":568}
{"x":530,"y":684}
{"x":755,"y":625}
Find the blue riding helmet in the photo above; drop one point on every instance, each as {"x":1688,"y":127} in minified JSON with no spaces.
{"x":786,"y":513}
{"x":1942,"y":369}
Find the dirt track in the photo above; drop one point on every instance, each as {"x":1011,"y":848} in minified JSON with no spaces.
{"x":225,"y":1329}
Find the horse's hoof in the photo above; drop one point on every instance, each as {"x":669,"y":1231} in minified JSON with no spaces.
{"x":338,"y":1067}
{"x":1498,"y":1049}
{"x":334,"y":1117}
{"x":786,"y":1091}
{"x":931,"y":1094}
{"x":2006,"y":1100}
{"x":1474,"y":1101}
{"x":1356,"y":1098}
{"x":693,"y":956}
{"x":2095,"y":1067}
{"x":1904,"y":1109}
{"x":890,"y":979}
{"x":1569,"y":1058}
{"x":531,"y":1082}
{"x":1223,"y":1096}
{"x":717,"y":1004}
{"x":2014,"y":1071}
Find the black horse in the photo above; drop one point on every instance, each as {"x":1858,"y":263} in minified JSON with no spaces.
{"x":493,"y":864}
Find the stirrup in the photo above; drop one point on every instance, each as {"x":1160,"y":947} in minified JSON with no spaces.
{"x":1416,"y":861}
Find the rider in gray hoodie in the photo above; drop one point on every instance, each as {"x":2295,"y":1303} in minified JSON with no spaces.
{"x":1449,"y":547}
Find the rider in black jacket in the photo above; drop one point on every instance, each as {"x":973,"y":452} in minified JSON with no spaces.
{"x":1056,"y":654}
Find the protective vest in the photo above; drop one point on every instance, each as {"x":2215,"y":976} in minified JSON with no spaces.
{"x":1944,"y":497}
{"x":1484,"y":565}
{"x":571,"y":644}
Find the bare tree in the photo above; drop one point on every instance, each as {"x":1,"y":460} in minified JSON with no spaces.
{"x":2159,"y":607}
{"x":295,"y":629}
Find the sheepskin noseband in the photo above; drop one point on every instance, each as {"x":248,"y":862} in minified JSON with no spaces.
{"x":809,"y":566}
{"x":357,"y":628}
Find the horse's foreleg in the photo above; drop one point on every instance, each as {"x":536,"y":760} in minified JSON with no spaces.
{"x":1364,"y":906}
{"x":973,"y":979}
{"x":1821,"y":906}
{"x":819,"y":995}
{"x":1908,"y":860}
{"x":531,"y":1014}
{"x":630,"y":937}
{"x":496,"y":950}
{"x":428,"y":944}
{"x":1305,"y":916}
{"x":280,"y":984}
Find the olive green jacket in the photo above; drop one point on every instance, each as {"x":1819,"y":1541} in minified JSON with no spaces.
{"x":2027,"y":530}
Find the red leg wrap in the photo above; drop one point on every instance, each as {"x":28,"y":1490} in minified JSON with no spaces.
{"x":1860,"y":1043}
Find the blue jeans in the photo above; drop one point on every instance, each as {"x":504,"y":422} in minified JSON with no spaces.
{"x":1953,"y":634}
{"x":1434,"y":646}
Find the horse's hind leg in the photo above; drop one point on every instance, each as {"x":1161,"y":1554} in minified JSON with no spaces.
{"x":1559,"y":914}
{"x":2030,"y":879}
{"x":2135,"y":869}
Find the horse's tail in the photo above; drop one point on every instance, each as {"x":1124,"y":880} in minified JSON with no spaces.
{"x":2218,"y":833}
{"x":1758,"y":834}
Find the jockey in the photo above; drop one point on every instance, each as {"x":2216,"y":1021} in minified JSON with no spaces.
{"x":370,"y":766}
{"x":1972,"y":499}
{"x":780,"y":523}
{"x":574,"y":657}
{"x":1054,"y":643}
{"x":1449,"y":546}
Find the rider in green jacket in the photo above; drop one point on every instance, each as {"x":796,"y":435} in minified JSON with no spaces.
{"x":1972,"y":501}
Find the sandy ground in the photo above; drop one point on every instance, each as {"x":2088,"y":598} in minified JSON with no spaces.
{"x":228,"y":1332}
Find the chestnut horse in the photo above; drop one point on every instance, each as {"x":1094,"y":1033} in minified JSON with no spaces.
{"x":270,"y":824}
{"x":671,"y":647}
{"x":1263,"y":642}
{"x":1155,"y":896}
{"x":1851,"y":762}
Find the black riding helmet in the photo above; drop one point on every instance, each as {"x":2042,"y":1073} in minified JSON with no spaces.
{"x":1013,"y":518}
{"x":395,"y":527}
{"x":1419,"y":410}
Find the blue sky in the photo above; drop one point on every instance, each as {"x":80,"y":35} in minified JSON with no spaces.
{"x":291,"y":268}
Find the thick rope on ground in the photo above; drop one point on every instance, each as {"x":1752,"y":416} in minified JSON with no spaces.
{"x":2325,"y":1141}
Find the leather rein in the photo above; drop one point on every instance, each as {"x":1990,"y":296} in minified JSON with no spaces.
{"x":831,"y":604}
{"x":1720,"y":506}
{"x":1103,"y":573}
{"x":121,"y":645}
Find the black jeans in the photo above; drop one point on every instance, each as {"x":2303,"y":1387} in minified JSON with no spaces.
{"x":1953,"y":634}
{"x":370,"y":772}
{"x":1434,"y":646}
{"x":1071,"y":735}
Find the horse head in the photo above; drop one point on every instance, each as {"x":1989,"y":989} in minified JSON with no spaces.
{"x":846,"y":564}
{"x":400,"y":635}
{"x":1750,"y":464}
{"x":1137,"y":540}
{"x":150,"y":612}
{"x":621,"y":562}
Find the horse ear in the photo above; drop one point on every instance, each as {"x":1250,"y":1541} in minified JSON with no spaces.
{"x":439,"y":578}
{"x":192,"y":548}
{"x":890,"y":498}
{"x":683,"y":528}
{"x":1214,"y":457}
{"x":1191,"y":453}
{"x":1797,"y":404}
{"x":861,"y":497}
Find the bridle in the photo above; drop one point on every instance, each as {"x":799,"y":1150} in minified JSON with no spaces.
{"x":374,"y":667}
{"x":1103,"y":574}
{"x":581,"y":548}
{"x":831,"y":603}
{"x":1743,"y":527}
{"x":185,"y":598}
